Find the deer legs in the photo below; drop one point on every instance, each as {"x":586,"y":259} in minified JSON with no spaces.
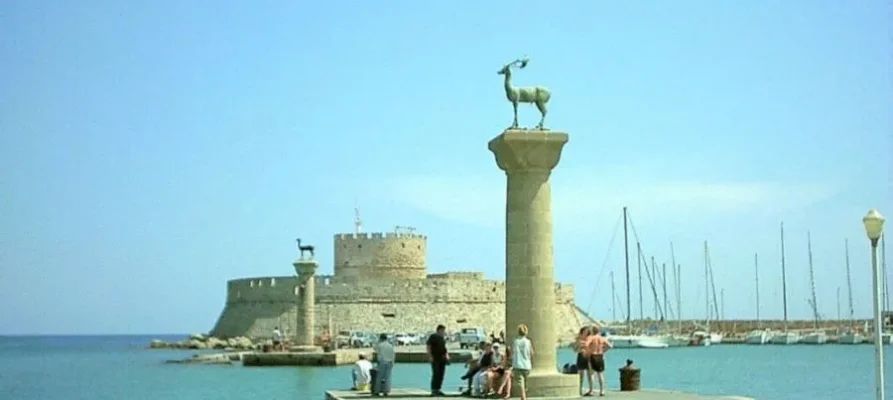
{"x":515,"y":122}
{"x":542,"y":107}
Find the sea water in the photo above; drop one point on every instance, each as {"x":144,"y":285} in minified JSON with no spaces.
{"x":120,"y":367}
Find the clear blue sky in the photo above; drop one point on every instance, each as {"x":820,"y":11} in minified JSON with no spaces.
{"x":149,"y":151}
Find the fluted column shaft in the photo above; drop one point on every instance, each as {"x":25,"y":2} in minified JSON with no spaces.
{"x":527,"y":159}
{"x":306,"y":301}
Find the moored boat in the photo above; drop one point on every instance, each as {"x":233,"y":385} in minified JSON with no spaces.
{"x":818,"y":337}
{"x":758,"y":336}
{"x":785,"y":338}
{"x":850,"y":337}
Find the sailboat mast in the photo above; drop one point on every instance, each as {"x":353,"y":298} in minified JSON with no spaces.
{"x":666,"y":296}
{"x":849,"y":282}
{"x":756,"y":271}
{"x":626,"y":263}
{"x":784,"y":282}
{"x":679,"y":295}
{"x":706,"y":286}
{"x":613,"y":300}
{"x":815,"y":306}
{"x":641,"y":298}
{"x":676,"y":285}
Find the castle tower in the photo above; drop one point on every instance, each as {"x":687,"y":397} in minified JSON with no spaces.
{"x":306,"y":270}
{"x":528,"y":157}
{"x":392,"y":255}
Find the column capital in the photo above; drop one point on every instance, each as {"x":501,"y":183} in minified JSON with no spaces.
{"x":519,"y":150}
{"x":305,"y":267}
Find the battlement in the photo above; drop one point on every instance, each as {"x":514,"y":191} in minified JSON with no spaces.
{"x":377,"y":236}
{"x":458,"y":275}
{"x":379,"y":255}
{"x":467,"y":289}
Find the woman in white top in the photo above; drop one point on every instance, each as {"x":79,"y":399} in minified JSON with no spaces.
{"x":522,"y":353}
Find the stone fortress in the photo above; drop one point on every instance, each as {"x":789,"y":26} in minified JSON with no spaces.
{"x":380,"y":284}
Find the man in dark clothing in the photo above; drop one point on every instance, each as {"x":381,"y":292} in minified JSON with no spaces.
{"x":439,"y":358}
{"x":482,"y":363}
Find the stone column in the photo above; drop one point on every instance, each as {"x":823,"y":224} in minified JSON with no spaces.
{"x":306,"y":303}
{"x":528,"y":157}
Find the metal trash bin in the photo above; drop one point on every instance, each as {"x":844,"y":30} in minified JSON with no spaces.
{"x":630,"y":377}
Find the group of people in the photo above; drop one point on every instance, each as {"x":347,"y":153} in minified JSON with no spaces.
{"x":493,"y":371}
{"x":591,"y":346}
{"x":376,"y":379}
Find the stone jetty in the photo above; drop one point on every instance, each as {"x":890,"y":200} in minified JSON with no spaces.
{"x":407,"y":393}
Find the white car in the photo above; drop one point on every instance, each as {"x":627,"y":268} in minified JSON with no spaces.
{"x":403,"y":339}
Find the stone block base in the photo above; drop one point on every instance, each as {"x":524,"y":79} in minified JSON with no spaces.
{"x":552,"y":385}
{"x":305,"y":349}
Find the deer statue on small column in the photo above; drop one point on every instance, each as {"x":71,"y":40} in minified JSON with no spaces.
{"x":304,"y":248}
{"x":537,"y":95}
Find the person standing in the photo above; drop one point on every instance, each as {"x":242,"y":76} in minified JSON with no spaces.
{"x":277,"y":339}
{"x":385,"y":355}
{"x":439,"y":358}
{"x":597,"y":346}
{"x":522,"y":353}
{"x":583,"y":358}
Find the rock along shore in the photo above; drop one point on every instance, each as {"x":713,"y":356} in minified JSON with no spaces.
{"x":197,"y":341}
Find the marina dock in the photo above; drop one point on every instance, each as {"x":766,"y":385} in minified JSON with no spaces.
{"x":412,"y":354}
{"x":408,"y":393}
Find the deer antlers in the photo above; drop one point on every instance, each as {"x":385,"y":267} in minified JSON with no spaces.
{"x":521,"y":62}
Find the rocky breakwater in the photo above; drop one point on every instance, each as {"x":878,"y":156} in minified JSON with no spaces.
{"x":197,"y":341}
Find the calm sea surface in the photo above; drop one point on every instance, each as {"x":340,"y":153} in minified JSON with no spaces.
{"x":118,"y":367}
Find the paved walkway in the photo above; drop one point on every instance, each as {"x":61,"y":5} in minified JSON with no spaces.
{"x":404,"y":393}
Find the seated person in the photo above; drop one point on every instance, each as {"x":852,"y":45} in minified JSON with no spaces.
{"x":362,"y":373}
{"x":481,"y":364}
{"x":493,"y":377}
{"x":502,"y":378}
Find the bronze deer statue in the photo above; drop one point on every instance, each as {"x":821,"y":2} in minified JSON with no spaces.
{"x":538,"y":95}
{"x":304,"y":248}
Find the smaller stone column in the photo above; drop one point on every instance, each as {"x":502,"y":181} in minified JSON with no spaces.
{"x":306,"y":304}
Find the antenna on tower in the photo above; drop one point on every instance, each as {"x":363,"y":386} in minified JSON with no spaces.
{"x":357,"y":222}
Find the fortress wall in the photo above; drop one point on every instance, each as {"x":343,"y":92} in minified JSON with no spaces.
{"x":329,"y":290}
{"x":268,"y":288}
{"x":380,"y":255}
{"x":458,"y":275}
{"x":256,"y":305}
{"x":257,"y":319}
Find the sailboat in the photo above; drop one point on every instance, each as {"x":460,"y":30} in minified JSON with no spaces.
{"x":817,"y":336}
{"x":784,"y":337}
{"x":848,"y":335}
{"x":629,"y":340}
{"x":703,"y":337}
{"x":715,"y":337}
{"x":759,"y":335}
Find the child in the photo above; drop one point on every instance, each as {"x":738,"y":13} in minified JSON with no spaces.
{"x":522,"y":353}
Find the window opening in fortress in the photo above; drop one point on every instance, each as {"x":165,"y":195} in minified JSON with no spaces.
{"x":388,"y":315}
{"x":403,"y":244}
{"x":461,"y":321}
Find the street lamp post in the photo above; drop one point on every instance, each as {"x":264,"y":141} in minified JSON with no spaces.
{"x":874,"y":227}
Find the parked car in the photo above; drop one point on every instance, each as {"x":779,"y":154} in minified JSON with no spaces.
{"x":403,"y":339}
{"x":360,"y":339}
{"x":470,"y":337}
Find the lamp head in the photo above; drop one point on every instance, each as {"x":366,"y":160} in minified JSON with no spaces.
{"x":874,"y":224}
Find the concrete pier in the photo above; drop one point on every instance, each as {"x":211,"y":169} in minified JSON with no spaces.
{"x":407,"y":393}
{"x":528,"y":157}
{"x":340,"y":357}
{"x":306,"y":270}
